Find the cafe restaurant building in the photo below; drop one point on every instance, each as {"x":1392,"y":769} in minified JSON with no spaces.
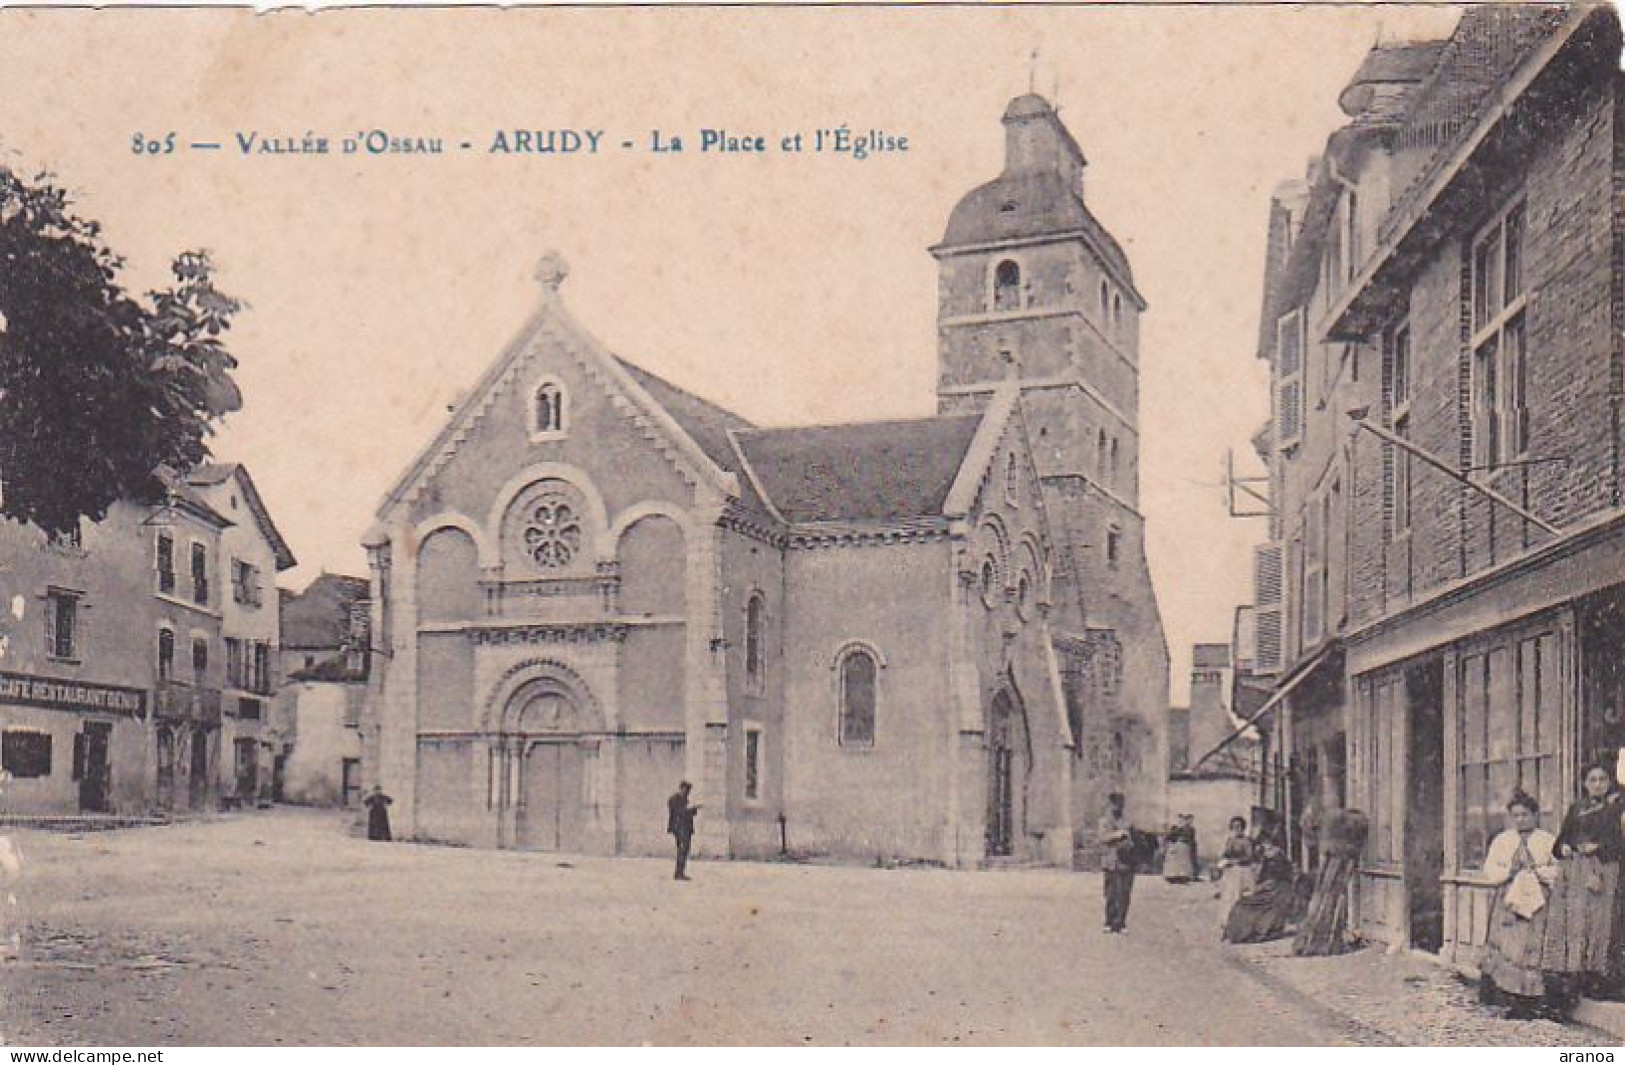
{"x":109,"y":646}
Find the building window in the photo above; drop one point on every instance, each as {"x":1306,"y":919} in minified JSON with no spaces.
{"x":25,"y":753}
{"x":166,"y":653}
{"x":236,"y":674}
{"x":62,"y":624}
{"x":248,"y":708}
{"x":1510,"y":709}
{"x":200,"y":573}
{"x":1101,"y":456}
{"x":245,"y":583}
{"x":200,"y":657}
{"x":1114,"y":546}
{"x":858,"y":671}
{"x":1289,"y":379}
{"x":753,"y":762}
{"x":165,"y":562}
{"x":1397,"y":387}
{"x":261,"y":680}
{"x":1105,"y":303}
{"x":1111,"y":472}
{"x":1500,"y":416}
{"x":547,"y":410}
{"x":1351,"y":235}
{"x":753,"y":642}
{"x":1012,"y":480}
{"x":1117,"y":310}
{"x":1007,"y":286}
{"x":1024,"y":591}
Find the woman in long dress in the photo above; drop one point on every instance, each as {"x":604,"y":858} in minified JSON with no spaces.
{"x":1179,"y":864}
{"x":378,"y":815}
{"x":1264,"y":911}
{"x":1579,"y":924}
{"x":1235,"y":865}
{"x":1522,"y":865}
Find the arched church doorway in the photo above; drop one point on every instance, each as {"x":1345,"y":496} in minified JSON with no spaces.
{"x":1009,"y":765}
{"x":551,"y":758}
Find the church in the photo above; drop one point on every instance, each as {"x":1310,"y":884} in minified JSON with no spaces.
{"x":930,"y":640}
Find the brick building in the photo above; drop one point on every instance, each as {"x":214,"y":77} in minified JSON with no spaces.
{"x":1440,"y":597}
{"x":931,"y":639}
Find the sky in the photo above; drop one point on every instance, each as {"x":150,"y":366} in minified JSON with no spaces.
{"x":790,"y":288}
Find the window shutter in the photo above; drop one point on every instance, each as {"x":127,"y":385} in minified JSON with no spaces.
{"x":1267,"y":600}
{"x":50,"y":625}
{"x":1289,"y":380}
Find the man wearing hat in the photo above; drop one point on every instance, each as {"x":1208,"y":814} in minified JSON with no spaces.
{"x":680,"y":823}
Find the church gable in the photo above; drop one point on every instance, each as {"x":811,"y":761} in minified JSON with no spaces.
{"x":555,"y":396}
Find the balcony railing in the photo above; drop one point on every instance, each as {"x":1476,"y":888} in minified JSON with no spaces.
{"x":176,"y":701}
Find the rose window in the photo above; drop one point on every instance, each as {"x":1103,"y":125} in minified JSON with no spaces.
{"x":552,"y":534}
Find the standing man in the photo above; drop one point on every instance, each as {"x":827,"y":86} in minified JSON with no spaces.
{"x":1117,"y":862}
{"x":680,"y":823}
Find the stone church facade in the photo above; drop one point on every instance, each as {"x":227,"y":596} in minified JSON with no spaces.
{"x":932,"y":639}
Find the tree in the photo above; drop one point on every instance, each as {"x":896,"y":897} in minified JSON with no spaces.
{"x":100,"y":391}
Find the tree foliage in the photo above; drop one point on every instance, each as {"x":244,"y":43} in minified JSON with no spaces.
{"x":100,"y":390}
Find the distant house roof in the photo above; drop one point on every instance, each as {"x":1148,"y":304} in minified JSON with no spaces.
{"x":874,"y":471}
{"x":184,"y":497}
{"x":214,"y":473}
{"x":335,"y":669}
{"x":319,"y":616}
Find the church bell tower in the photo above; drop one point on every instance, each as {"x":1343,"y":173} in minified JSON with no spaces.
{"x":1032,"y":286}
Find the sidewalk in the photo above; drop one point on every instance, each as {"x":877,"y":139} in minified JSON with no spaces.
{"x":1401,"y":997}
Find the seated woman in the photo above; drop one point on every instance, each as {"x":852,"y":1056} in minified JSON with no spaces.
{"x":1521,"y":865}
{"x":1265,"y":910}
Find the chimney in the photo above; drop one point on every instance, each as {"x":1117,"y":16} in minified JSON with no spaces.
{"x":1209,"y":720}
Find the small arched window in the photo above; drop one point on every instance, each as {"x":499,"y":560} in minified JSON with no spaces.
{"x":1007,"y":286}
{"x":859,"y":671}
{"x":753,"y":641}
{"x":1024,"y":591}
{"x":1113,"y":470}
{"x":1117,"y":309}
{"x":990,"y":578}
{"x":1105,"y":302}
{"x":1100,"y":455}
{"x":547,"y":410}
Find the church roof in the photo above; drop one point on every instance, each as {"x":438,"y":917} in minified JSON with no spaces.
{"x":701,"y":419}
{"x":870,"y":471}
{"x":1022,"y":206}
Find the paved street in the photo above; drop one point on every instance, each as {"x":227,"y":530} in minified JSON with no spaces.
{"x":279,"y":928}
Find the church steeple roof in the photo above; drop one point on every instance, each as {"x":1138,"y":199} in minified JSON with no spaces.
{"x":1039,"y":194}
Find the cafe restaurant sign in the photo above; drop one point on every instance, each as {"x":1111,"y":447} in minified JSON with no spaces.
{"x":20,"y":689}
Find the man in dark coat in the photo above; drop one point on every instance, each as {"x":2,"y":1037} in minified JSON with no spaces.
{"x":680,"y":823}
{"x":378,"y":814}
